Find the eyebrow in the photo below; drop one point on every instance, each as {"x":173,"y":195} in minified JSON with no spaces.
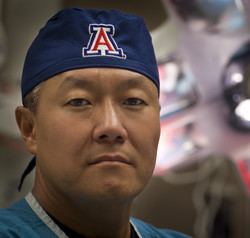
{"x":73,"y":82}
{"x":131,"y":83}
{"x":87,"y":83}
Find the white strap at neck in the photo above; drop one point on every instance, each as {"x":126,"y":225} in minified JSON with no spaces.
{"x":41,"y":213}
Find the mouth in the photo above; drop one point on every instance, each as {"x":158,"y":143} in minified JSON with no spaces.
{"x":111,"y":159}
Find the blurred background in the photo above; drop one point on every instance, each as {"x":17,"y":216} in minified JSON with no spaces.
{"x":201,"y":182}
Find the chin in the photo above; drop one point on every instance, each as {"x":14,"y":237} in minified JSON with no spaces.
{"x":116,"y":192}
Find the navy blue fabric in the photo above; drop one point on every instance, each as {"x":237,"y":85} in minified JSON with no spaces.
{"x":59,"y":46}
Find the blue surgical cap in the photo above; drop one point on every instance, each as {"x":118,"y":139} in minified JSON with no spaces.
{"x":77,"y":38}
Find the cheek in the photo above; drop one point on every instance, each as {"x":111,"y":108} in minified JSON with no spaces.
{"x":59,"y":148}
{"x":146,"y":138}
{"x":61,"y":137}
{"x":149,"y":132}
{"x":146,"y":143}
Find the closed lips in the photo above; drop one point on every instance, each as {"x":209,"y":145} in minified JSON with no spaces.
{"x":111,"y":158}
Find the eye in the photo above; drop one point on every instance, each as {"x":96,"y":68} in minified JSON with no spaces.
{"x":78,"y":102}
{"x":134,"y":102}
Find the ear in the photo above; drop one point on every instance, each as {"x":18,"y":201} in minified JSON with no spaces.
{"x":26,"y":123}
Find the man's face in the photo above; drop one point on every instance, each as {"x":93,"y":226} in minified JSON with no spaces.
{"x":96,"y":133}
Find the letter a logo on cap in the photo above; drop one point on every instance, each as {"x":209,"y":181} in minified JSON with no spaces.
{"x":101,"y":42}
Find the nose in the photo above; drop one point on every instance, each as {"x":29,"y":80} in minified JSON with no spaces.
{"x":109,"y":127}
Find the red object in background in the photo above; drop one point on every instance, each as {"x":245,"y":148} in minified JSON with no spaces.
{"x":178,"y":89}
{"x":244,"y":168}
{"x":178,"y":94}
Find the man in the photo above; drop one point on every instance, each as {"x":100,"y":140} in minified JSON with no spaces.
{"x":91,"y":118}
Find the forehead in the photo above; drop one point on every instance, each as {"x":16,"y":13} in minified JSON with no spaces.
{"x":100,"y":78}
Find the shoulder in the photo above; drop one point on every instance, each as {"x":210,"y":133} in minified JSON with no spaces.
{"x":15,"y":221}
{"x":148,"y":230}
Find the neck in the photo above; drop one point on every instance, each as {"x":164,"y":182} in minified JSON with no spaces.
{"x":99,"y":219}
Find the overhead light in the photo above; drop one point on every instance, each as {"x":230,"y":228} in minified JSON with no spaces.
{"x":236,"y":88}
{"x":237,"y":78}
{"x":243,"y":110}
